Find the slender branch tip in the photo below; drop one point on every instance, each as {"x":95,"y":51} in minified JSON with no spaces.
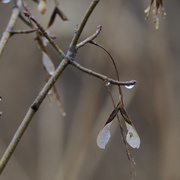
{"x":26,"y":13}
{"x":100,"y":27}
{"x":132,"y":82}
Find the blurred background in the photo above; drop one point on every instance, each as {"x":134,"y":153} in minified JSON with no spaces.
{"x":64,"y":148}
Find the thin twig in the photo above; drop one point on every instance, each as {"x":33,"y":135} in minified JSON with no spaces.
{"x":115,"y":67}
{"x":14,"y":16}
{"x":22,"y":31}
{"x":83,"y":23}
{"x":89,"y":39}
{"x":103,"y":77}
{"x":36,"y":104}
{"x":24,"y":20}
{"x":43,"y":31}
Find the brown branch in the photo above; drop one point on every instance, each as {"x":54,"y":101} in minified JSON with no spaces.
{"x":83,"y":22}
{"x":103,"y":77}
{"x":68,"y":59}
{"x":36,"y":104}
{"x":45,"y":34}
{"x":115,"y":67}
{"x":22,"y":31}
{"x":89,"y":39}
{"x":23,"y":19}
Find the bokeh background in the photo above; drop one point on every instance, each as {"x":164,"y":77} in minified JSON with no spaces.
{"x":64,"y":148}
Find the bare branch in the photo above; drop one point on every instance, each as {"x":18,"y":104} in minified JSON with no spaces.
{"x":83,"y":23}
{"x":36,"y":104}
{"x":24,"y":20}
{"x":45,"y":34}
{"x":103,"y":77}
{"x":22,"y":31}
{"x":89,"y":39}
{"x":12,"y":21}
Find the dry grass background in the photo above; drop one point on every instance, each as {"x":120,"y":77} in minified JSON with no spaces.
{"x":60,"y":148}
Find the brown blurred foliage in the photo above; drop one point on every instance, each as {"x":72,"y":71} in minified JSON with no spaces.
{"x":60,"y":148}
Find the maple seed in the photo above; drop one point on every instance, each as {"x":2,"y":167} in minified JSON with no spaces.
{"x":42,"y":6}
{"x":157,"y":5}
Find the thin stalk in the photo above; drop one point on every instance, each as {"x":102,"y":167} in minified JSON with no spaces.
{"x":101,"y":76}
{"x":83,"y":23}
{"x":7,"y":33}
{"x":45,"y":34}
{"x":22,"y":31}
{"x":14,"y":142}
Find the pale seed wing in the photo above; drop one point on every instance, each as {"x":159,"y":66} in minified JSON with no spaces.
{"x":48,"y":64}
{"x":44,"y":39}
{"x":42,"y":6}
{"x":104,"y":136}
{"x":132,"y":136}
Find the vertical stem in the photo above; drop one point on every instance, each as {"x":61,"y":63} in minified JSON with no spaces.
{"x":12,"y":21}
{"x":83,"y":23}
{"x":14,"y":142}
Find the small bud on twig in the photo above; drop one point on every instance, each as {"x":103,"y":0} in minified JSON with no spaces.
{"x":26,"y":13}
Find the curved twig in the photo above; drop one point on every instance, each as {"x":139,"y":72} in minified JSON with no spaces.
{"x":91,"y":38}
{"x":103,"y":77}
